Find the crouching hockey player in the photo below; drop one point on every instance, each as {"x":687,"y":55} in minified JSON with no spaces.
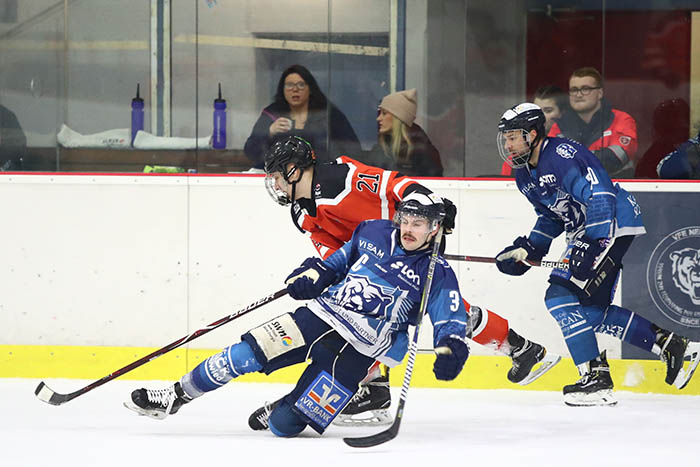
{"x":363,"y":299}
{"x":572,"y":193}
{"x":328,"y":201}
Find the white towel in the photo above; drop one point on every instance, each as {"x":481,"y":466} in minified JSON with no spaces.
{"x":119,"y":138}
{"x":145,"y":140}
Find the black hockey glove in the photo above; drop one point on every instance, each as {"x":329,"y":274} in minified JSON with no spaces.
{"x":509,"y":261}
{"x":448,"y":222}
{"x":452,"y":351}
{"x":309,"y":280}
{"x":583,"y":254}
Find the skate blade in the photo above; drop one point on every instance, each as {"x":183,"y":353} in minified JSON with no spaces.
{"x":600,"y":398}
{"x":693,"y":353}
{"x":378,"y":417}
{"x":155,"y":414}
{"x":549,"y":360}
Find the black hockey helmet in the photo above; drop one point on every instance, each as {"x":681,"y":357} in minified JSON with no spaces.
{"x":425,"y":205}
{"x":289,"y":150}
{"x":523,"y":117}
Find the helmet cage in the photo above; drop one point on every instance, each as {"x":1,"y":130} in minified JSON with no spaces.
{"x":279,"y":196}
{"x":515,"y":160}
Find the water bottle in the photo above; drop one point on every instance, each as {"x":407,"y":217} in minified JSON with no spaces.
{"x":136,"y":114}
{"x":219,"y":134}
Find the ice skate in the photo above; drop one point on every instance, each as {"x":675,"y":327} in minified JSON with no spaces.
{"x":692,"y":353}
{"x":672,"y":353}
{"x":595,"y":386}
{"x":369,"y":405}
{"x":525,"y":359}
{"x":259,"y":420}
{"x":158,"y":403}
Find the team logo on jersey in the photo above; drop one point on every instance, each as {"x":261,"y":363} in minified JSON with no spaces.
{"x":568,"y":210}
{"x":673,"y":276}
{"x":565,"y":150}
{"x":625,"y":140}
{"x":317,"y":191}
{"x":323,"y":399}
{"x":360,"y":295}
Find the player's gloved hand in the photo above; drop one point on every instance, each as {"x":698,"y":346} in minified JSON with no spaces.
{"x":448,"y":223}
{"x":509,"y":261}
{"x":309,"y":280}
{"x":583,"y":254}
{"x":452,"y":351}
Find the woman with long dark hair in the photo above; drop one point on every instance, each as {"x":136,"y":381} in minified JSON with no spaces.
{"x":301,"y":109}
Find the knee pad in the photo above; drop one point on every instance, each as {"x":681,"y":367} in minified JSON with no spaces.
{"x":284,"y":422}
{"x":221,"y":368}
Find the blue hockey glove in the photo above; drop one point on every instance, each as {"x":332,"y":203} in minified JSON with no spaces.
{"x":583,"y":254}
{"x":309,"y":280}
{"x":509,"y":261}
{"x":452,"y":352}
{"x":448,"y":223}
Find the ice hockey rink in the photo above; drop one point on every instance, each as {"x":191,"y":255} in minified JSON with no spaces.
{"x":441,"y":426}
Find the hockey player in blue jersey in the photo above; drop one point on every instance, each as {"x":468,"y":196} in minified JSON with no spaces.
{"x":362,"y":300}
{"x":572,"y":194}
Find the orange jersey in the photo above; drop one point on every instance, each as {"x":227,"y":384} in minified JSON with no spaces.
{"x":344,"y":194}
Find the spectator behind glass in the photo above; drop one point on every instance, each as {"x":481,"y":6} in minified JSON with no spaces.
{"x":402,"y":144}
{"x":683,"y":163}
{"x":301,"y":109}
{"x":610,"y":134}
{"x":13,"y":143}
{"x":671,"y":123}
{"x":554,"y":103}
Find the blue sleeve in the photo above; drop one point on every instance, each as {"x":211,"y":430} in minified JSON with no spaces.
{"x":445,"y":305}
{"x":546,"y":229}
{"x":590,"y":185}
{"x":675,"y":165}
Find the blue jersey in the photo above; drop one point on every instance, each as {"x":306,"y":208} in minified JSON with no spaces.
{"x":380,"y":294}
{"x":684,"y":162}
{"x":572,"y":193}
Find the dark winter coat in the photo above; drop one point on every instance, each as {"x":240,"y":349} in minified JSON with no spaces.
{"x":13,"y":143}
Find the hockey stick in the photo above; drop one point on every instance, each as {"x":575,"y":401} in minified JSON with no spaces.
{"x":391,"y":432}
{"x":49,"y":396}
{"x":486,"y":259}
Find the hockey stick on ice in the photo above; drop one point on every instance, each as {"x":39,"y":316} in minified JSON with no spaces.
{"x":49,"y":396}
{"x":391,"y":432}
{"x":486,"y":259}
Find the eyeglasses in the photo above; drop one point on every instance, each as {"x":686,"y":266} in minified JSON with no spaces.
{"x":300,"y":86}
{"x":584,"y":90}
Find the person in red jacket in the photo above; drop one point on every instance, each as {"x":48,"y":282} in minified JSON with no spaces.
{"x":328,"y":201}
{"x":610,"y":134}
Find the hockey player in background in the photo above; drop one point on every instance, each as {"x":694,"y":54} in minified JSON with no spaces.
{"x":572,"y":193}
{"x":328,"y":201}
{"x":362,"y":300}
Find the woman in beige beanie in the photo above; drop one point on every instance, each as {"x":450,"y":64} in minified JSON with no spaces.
{"x":402,"y":144}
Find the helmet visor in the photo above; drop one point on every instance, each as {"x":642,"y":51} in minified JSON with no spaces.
{"x":514,"y":147}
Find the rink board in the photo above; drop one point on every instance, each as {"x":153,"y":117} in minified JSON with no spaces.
{"x":480,"y":372}
{"x":102,"y":269}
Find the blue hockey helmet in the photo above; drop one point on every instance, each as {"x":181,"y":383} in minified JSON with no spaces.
{"x":517,"y":122}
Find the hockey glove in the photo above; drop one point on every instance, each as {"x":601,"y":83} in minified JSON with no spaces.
{"x":509,"y":261}
{"x":448,"y":223}
{"x":452,"y":351}
{"x":309,"y":280}
{"x":583,"y":254}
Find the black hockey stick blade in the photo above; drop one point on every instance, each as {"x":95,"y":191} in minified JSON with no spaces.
{"x":50,"y":396}
{"x":375,"y":439}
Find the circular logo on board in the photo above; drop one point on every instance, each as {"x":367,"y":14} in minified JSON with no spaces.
{"x":673,"y":276}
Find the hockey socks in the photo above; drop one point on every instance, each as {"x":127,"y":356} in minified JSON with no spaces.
{"x":219,"y":369}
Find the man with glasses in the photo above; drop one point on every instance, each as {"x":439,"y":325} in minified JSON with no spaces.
{"x":610,"y":134}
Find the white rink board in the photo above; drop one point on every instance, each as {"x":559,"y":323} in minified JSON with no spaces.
{"x":131,"y":260}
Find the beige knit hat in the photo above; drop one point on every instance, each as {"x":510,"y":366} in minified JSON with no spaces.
{"x":402,"y":104}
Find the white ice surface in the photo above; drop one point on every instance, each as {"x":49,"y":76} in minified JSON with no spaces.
{"x":441,"y":428}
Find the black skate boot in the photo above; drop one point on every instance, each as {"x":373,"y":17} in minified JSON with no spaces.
{"x":369,"y":404}
{"x":595,"y":386}
{"x":259,"y":420}
{"x":158,"y":403}
{"x":526,"y":354}
{"x":672,"y":353}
